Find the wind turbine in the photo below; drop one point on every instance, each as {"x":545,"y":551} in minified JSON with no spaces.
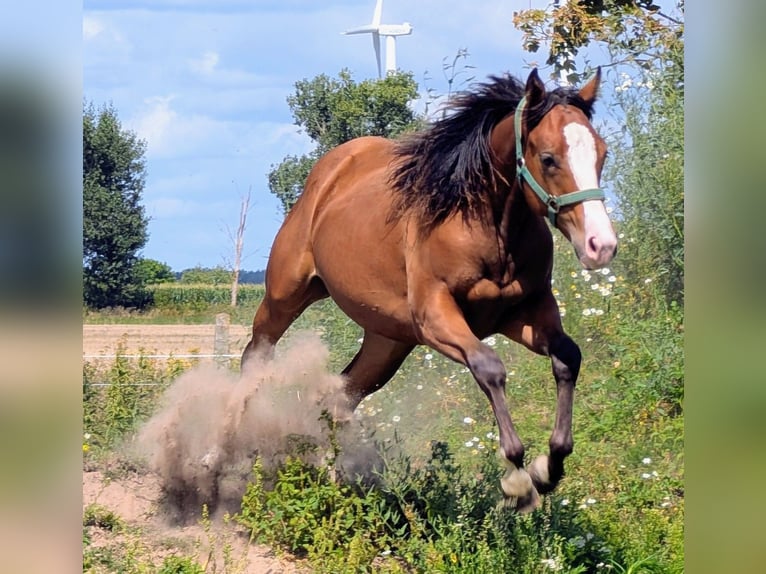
{"x":389,"y":31}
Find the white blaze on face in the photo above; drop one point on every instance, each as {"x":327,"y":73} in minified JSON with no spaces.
{"x":599,"y":238}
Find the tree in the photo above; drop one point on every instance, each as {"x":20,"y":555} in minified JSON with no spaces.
{"x":334,"y":110}
{"x":238,"y":240}
{"x":114,"y":222}
{"x":152,"y":272}
{"x":635,"y":32}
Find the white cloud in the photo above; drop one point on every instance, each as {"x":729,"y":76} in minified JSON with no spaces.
{"x":155,"y":123}
{"x":91,"y":27}
{"x":206,"y":64}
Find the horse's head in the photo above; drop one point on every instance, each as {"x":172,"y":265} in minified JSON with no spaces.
{"x":559,"y":163}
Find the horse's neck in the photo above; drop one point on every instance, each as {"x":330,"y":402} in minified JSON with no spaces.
{"x":510,"y":210}
{"x":515,"y":214}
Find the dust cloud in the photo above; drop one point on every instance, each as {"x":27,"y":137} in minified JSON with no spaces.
{"x":213,"y":423}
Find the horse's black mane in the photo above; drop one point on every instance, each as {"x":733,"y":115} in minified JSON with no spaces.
{"x":447,"y":168}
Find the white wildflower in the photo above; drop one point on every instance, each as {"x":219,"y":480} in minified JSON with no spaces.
{"x":551,"y":563}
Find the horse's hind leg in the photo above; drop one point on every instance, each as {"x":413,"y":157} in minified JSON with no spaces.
{"x":372,"y":367}
{"x":288,"y":293}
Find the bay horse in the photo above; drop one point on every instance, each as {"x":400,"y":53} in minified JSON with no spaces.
{"x":440,"y":239}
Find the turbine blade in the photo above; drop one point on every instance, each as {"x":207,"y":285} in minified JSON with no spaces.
{"x":376,"y":45}
{"x":377,"y":13}
{"x":361,"y":30}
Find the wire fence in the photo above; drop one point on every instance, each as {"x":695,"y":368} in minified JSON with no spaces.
{"x":221,"y":355}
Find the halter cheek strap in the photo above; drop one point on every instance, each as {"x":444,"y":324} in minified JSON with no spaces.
{"x":553,"y":202}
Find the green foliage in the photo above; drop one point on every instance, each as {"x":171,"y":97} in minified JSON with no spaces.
{"x":198,"y":297}
{"x":151,"y":272}
{"x":335,"y":110}
{"x":101,"y":517}
{"x":180,"y":565}
{"x":287,"y":179}
{"x":648,"y":178}
{"x":206,"y":275}
{"x":637,"y":33}
{"x":443,"y":517}
{"x":118,"y":395}
{"x":114,"y":223}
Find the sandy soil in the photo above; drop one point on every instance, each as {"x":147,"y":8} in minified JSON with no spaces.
{"x":159,"y":339}
{"x":134,"y":498}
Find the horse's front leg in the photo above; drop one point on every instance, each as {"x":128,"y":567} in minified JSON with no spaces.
{"x":441,"y":325}
{"x":565,"y":360}
{"x":540,"y":330}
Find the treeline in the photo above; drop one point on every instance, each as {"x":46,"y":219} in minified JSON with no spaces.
{"x":218,"y":276}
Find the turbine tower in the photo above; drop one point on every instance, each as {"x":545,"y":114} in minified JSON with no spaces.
{"x":389,"y":31}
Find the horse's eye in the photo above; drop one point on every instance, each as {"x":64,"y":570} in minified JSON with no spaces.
{"x":548,"y":160}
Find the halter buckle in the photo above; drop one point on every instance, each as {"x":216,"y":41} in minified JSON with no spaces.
{"x":553,"y":204}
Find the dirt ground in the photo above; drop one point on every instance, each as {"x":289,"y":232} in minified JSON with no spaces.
{"x":134,"y":498}
{"x":159,"y":339}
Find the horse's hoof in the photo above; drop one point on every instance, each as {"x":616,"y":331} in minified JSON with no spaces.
{"x":519,"y":491}
{"x":522,"y":504}
{"x":516,"y":482}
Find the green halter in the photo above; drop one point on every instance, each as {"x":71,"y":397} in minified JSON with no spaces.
{"x":554,"y":203}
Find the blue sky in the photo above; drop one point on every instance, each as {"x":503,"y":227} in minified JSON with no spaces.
{"x":205,"y":84}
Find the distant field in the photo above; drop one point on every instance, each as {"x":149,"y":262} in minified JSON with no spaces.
{"x":158,"y":339}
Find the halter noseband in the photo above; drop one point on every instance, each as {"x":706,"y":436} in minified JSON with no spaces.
{"x":554,"y":203}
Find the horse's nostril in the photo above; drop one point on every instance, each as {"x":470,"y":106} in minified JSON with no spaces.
{"x":593,"y":245}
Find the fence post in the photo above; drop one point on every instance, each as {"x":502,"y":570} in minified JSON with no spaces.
{"x":221,"y":342}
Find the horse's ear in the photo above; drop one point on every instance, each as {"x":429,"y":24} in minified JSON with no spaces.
{"x":590,"y":90}
{"x":535,"y":89}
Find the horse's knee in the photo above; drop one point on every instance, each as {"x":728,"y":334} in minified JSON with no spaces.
{"x":565,"y":357}
{"x":487,"y":369}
